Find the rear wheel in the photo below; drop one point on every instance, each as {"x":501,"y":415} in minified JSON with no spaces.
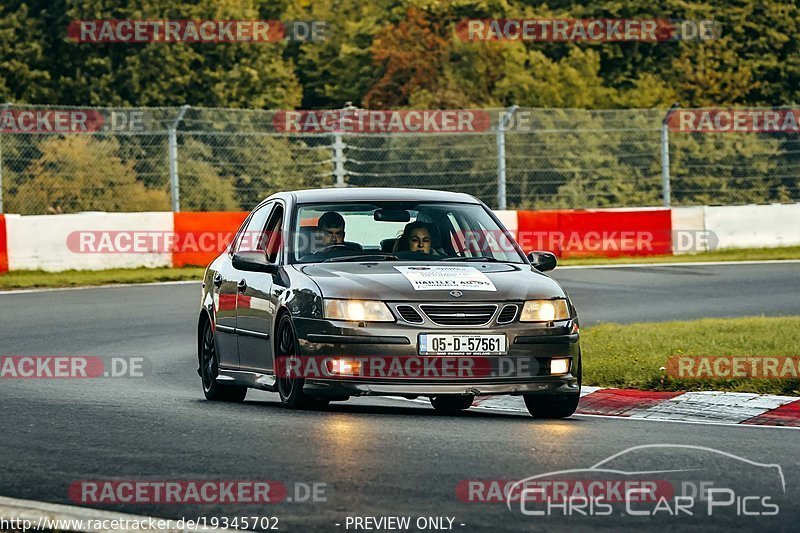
{"x":209,"y":370}
{"x":452,"y":404}
{"x":290,"y":386}
{"x":561,"y":406}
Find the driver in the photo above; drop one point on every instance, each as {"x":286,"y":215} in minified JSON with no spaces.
{"x":330,"y":228}
{"x":330,"y":232}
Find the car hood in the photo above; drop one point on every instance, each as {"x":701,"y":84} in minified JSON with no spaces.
{"x":392,"y":282}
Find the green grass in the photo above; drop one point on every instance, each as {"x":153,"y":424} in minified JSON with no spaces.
{"x":735,"y":254}
{"x":630,"y":356}
{"x":23,"y":279}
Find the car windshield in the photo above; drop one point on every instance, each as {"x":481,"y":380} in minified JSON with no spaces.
{"x":399,"y":231}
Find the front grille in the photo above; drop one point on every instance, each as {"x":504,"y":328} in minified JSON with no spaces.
{"x":409,"y":314}
{"x":459,"y":315}
{"x":508,"y":314}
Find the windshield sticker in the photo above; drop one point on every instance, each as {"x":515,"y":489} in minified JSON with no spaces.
{"x":434,"y":278}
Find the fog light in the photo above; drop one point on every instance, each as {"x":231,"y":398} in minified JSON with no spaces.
{"x":344,"y":367}
{"x":559,"y":366}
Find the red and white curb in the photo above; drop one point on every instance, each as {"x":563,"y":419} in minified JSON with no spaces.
{"x":706,"y":406}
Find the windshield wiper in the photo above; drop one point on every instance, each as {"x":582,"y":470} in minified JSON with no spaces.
{"x":468,"y":259}
{"x":355,"y":258}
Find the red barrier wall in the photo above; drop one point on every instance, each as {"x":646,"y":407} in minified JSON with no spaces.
{"x":3,"y":245}
{"x":201,"y":237}
{"x":608,"y":233}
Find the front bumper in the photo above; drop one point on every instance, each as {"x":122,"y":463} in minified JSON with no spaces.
{"x":545,"y":385}
{"x":530,"y":346}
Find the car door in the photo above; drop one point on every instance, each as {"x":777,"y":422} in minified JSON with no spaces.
{"x":225,"y":314}
{"x":255,"y":306}
{"x":224,"y":294}
{"x":226,"y":290}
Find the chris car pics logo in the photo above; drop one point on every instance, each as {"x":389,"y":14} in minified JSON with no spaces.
{"x":671,"y":481}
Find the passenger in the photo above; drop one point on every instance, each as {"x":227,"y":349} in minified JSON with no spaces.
{"x":418,"y":237}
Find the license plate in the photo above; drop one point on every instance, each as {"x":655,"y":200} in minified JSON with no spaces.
{"x":436,"y":344}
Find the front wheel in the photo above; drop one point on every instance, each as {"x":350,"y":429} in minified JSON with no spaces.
{"x":555,"y":407}
{"x":451,"y":404}
{"x":209,"y":370}
{"x":561,"y":406}
{"x":290,"y":386}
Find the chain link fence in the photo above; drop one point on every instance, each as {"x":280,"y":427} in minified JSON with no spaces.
{"x":62,"y":160}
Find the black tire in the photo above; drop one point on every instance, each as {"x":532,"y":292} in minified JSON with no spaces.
{"x":290,"y":389}
{"x":550,"y":407}
{"x":209,"y":370}
{"x":452,"y":404}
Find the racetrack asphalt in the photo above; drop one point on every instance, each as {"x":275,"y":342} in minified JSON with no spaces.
{"x":377,"y":457}
{"x":657,"y":293}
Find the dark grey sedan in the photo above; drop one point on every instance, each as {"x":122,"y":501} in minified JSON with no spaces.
{"x":328,"y":294}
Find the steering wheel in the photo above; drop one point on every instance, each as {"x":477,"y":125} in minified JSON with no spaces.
{"x":335,"y":247}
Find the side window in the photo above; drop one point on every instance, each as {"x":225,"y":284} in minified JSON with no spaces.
{"x":273,"y":236}
{"x":236,"y":238}
{"x":487,"y":241}
{"x":250,"y":239}
{"x":458,"y":239}
{"x":465,"y":239}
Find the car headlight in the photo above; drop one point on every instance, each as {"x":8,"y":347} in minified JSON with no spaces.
{"x":544,"y":311}
{"x":358,"y":310}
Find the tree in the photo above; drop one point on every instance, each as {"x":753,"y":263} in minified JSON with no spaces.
{"x":47,"y":67}
{"x":80,"y":173}
{"x":201,"y":186}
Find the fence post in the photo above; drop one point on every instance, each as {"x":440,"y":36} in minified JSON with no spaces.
{"x":174,"y":183}
{"x":338,"y":147}
{"x":501,"y":156}
{"x":338,"y":159}
{"x":665,"y":178}
{"x":4,"y":109}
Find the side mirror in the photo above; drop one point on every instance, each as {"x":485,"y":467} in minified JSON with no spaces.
{"x":253,"y":261}
{"x":542,"y":261}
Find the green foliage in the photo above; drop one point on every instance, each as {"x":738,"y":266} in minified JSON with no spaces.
{"x":392,"y":54}
{"x":725,"y":169}
{"x":40,"y":64}
{"x":203,"y":188}
{"x":397,"y":53}
{"x":79,"y":173}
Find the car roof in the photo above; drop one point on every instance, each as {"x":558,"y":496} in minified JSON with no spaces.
{"x":366,"y":194}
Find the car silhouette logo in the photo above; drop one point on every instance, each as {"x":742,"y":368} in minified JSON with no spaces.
{"x":456,"y":294}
